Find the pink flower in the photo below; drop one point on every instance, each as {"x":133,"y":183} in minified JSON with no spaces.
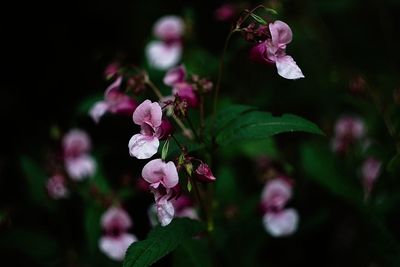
{"x":370,"y":171}
{"x":281,"y":223}
{"x":157,"y":172}
{"x":56,"y":187}
{"x":111,"y":70}
{"x":114,"y":102}
{"x":115,"y":221}
{"x":175,"y":75}
{"x":148,"y":116}
{"x":115,"y":218}
{"x":276,"y":194}
{"x":274,"y":50}
{"x":203,"y":173}
{"x":163,"y":56}
{"x":184,"y":208}
{"x":164,"y":207}
{"x":349,"y":127}
{"x":225,"y":12}
{"x":169,"y":28}
{"x":115,"y":247}
{"x":81,"y":167}
{"x":75,"y":143}
{"x":186,"y":92}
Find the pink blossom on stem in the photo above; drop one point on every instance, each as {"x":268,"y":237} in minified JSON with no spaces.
{"x":114,"y":102}
{"x":184,"y":208}
{"x":56,"y":187}
{"x":81,"y":167}
{"x":349,"y":127}
{"x":225,"y":12}
{"x":281,"y":223}
{"x":169,"y":28}
{"x":186,"y":92}
{"x":163,"y":56}
{"x":115,"y":222}
{"x":276,"y":194}
{"x":157,"y":172}
{"x":175,"y":75}
{"x":164,"y":207}
{"x":148,"y":115}
{"x":274,"y":50}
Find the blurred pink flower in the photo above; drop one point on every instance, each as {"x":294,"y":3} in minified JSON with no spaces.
{"x":115,"y":222}
{"x":157,"y":172}
{"x":111,"y":70}
{"x":184,"y":208}
{"x":81,"y":167}
{"x":114,"y":102}
{"x":56,"y":187}
{"x":349,"y":127}
{"x":281,"y":223}
{"x":169,"y":28}
{"x":162,"y":55}
{"x":276,"y":194}
{"x":370,"y":171}
{"x":148,"y":115}
{"x":186,"y":92}
{"x":75,"y":142}
{"x":274,"y":50}
{"x":225,"y":12}
{"x":164,"y":208}
{"x":175,"y":75}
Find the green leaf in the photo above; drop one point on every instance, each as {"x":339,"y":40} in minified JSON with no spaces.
{"x":256,"y":125}
{"x":270,"y":10}
{"x":36,"y":179}
{"x":226,"y":188}
{"x":258,"y":19}
{"x":164,"y":151}
{"x":320,"y":165}
{"x":226,"y":116}
{"x":194,"y":253}
{"x":92,"y":226}
{"x":161,"y":241}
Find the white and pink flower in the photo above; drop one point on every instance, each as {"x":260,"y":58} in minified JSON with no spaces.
{"x":56,"y":187}
{"x":116,"y":240}
{"x":157,"y":172}
{"x":273,"y":50}
{"x":169,"y":28}
{"x":77,"y":162}
{"x":114,"y":102}
{"x":281,"y":223}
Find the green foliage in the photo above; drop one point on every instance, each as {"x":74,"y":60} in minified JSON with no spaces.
{"x":161,"y":241}
{"x":193,"y":252}
{"x":257,"y":125}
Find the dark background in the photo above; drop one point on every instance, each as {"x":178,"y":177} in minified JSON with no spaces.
{"x":53,"y":55}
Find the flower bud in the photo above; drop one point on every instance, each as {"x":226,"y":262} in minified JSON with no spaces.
{"x":203,"y":173}
{"x":165,"y":129}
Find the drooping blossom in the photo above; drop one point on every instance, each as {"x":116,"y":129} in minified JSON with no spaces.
{"x":77,"y":161}
{"x":281,"y":223}
{"x":148,"y":115}
{"x":273,"y":50}
{"x":277,"y":220}
{"x":203,"y":173}
{"x":370,"y":171}
{"x":116,"y":240}
{"x":348,"y":130}
{"x":56,"y":187}
{"x":161,"y":55}
{"x":169,"y":28}
{"x":184,"y":208}
{"x":163,"y":205}
{"x":157,"y":172}
{"x":115,"y":102}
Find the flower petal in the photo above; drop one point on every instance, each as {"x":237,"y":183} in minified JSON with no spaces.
{"x":165,"y":211}
{"x":80,"y":167}
{"x":281,"y":34}
{"x":171,"y":178}
{"x":148,"y":113}
{"x":142,"y":146}
{"x":276,"y":193}
{"x":152,"y":171}
{"x":169,"y":28}
{"x":98,"y":110}
{"x":116,"y":217}
{"x":175,"y":75}
{"x":162,"y":56}
{"x":115,"y":247}
{"x":113,"y":87}
{"x":287,"y":68}
{"x":282,"y":223}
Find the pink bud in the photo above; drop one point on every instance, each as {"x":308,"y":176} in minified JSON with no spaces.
{"x":186,"y":92}
{"x":203,"y":173}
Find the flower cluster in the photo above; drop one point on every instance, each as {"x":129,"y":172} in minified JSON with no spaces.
{"x":278,"y":220}
{"x":116,"y":240}
{"x":167,"y":51}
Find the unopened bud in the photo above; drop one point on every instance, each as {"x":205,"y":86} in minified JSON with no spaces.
{"x":203,"y":173}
